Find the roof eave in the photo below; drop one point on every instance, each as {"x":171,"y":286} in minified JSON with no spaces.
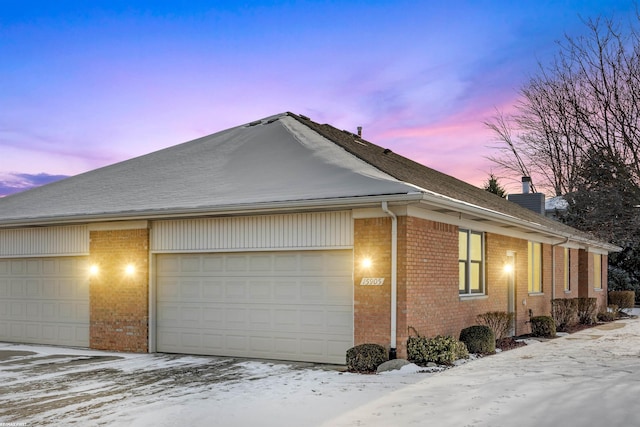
{"x":227,"y":210}
{"x":452,"y":205}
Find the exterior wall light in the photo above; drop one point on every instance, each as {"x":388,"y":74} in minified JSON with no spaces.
{"x":130,"y":269}
{"x":94,"y":270}
{"x":366,"y":263}
{"x":508,"y":268}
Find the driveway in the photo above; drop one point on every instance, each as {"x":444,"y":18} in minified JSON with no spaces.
{"x":588,"y":378}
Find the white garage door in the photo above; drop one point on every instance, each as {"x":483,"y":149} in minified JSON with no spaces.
{"x":274,"y":305}
{"x":44,"y":301}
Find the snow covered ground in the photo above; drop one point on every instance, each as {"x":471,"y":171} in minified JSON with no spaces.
{"x":589,"y":378}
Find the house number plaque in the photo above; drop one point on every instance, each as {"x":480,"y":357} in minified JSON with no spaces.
{"x":372,"y":281}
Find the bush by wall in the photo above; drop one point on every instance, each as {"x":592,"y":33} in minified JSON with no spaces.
{"x":610,"y":314}
{"x":366,"y":357}
{"x":587,"y":310}
{"x":564,"y":312}
{"x":443,"y":350}
{"x":479,"y":339}
{"x":623,"y":299}
{"x":498,"y":321}
{"x":543,"y":326}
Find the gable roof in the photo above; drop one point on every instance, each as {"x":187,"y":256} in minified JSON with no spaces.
{"x":280,"y":162}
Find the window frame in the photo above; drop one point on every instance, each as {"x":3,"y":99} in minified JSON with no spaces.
{"x":534,"y":251}
{"x":597,"y":272}
{"x":567,"y":270}
{"x":469,"y":262}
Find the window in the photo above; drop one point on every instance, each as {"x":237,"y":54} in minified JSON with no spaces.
{"x":471,"y":262}
{"x":597,"y":271}
{"x":535,"y":267}
{"x":567,"y":269}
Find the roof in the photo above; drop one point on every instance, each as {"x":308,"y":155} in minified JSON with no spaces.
{"x":278,"y":162}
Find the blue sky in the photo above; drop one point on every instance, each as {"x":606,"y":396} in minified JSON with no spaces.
{"x":84,"y":84}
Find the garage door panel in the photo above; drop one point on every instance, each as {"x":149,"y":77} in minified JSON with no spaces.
{"x":260,"y":290}
{"x":33,"y":311}
{"x":213,"y":290}
{"x":260,"y":319}
{"x":267,"y":304}
{"x":190,"y":289}
{"x":45,"y":301}
{"x":190,"y":264}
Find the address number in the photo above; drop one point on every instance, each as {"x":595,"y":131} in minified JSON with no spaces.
{"x":372,"y":281}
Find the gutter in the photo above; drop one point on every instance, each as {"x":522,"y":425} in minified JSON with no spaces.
{"x":394,"y":278}
{"x":553,"y":269}
{"x":454,"y":205}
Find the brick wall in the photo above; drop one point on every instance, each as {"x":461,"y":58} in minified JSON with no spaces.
{"x":431,"y":280}
{"x":372,"y":312}
{"x":119,"y":303}
{"x":428,"y":300}
{"x":585,"y":279}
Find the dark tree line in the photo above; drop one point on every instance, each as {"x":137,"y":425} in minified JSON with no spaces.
{"x":576,"y":130}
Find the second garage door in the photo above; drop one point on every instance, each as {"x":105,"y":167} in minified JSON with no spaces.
{"x":44,"y":301}
{"x":275,"y":305}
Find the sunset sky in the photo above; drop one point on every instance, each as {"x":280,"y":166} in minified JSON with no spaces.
{"x":84,"y":84}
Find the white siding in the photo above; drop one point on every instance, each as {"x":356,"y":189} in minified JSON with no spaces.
{"x":327,"y":230}
{"x":44,"y":241}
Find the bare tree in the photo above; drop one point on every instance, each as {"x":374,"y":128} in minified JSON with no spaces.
{"x":585,"y":103}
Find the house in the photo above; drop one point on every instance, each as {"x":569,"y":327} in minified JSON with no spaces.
{"x":282,"y":239}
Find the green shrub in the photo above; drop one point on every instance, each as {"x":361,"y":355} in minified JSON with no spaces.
{"x":543,"y":326}
{"x":610,"y":314}
{"x":623,"y":299}
{"x":479,"y":339}
{"x":366,"y":357}
{"x":499,"y":322}
{"x":564,"y":312}
{"x":587,"y":310}
{"x":442,"y":350}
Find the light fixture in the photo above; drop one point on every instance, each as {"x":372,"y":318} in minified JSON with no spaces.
{"x":366,"y":263}
{"x":129,"y":269}
{"x":508,"y":268}
{"x":94,"y":270}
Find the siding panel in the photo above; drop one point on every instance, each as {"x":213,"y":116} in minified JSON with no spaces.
{"x":45,"y":241}
{"x":292,"y":231}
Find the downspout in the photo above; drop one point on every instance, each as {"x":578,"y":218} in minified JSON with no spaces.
{"x":553,"y":269}
{"x":394,"y":278}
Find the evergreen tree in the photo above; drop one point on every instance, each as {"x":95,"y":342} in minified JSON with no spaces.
{"x":493,"y":186}
{"x":607,"y":204}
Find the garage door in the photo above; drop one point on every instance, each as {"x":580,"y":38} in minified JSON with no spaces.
{"x":44,"y":301}
{"x":274,"y":305}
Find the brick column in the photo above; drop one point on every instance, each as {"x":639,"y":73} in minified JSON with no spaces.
{"x":372,"y":304}
{"x":119,"y":300}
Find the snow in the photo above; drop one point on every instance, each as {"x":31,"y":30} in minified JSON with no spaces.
{"x":558,"y":202}
{"x":280,"y":161}
{"x":591,"y":377}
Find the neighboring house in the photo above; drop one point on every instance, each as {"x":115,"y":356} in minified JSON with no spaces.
{"x":281,"y":239}
{"x":556,"y":207}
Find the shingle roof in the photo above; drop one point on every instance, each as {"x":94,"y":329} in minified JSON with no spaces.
{"x":274,"y":160}
{"x":277,"y":161}
{"x":430,"y":179}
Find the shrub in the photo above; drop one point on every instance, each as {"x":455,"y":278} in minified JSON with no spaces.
{"x":543,"y":326}
{"x":564,"y":312}
{"x":479,"y":339}
{"x":623,"y":299}
{"x":441,"y":349}
{"x":587,"y":310}
{"x":610,"y":314}
{"x":498,"y":321}
{"x":366,"y":357}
